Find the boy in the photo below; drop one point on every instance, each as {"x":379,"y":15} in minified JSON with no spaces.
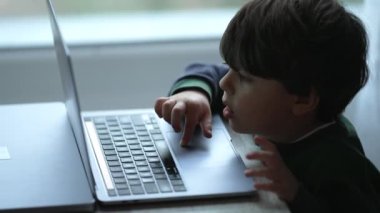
{"x":293,"y":67}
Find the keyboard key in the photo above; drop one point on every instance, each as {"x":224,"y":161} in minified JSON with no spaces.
{"x":153,"y":159}
{"x":102,"y":132}
{"x":172,"y":171}
{"x":113,"y":163}
{"x":174,"y":176}
{"x":99,"y":120}
{"x":119,"y":180}
{"x":128,"y":165}
{"x":124,"y":154}
{"x":131,"y":137}
{"x":122,"y":149}
{"x":126,"y":159}
{"x":104,"y":137}
{"x":155,"y":131}
{"x":116,"y":133}
{"x":117,"y":175}
{"x":113,"y":126}
{"x":132,"y":142}
{"x":124,"y":191}
{"x":158,"y":170}
{"x":144,"y":138}
{"x":129,"y":131}
{"x":112,"y":158}
{"x":100,"y":125}
{"x":143,"y":169}
{"x":157,"y":137}
{"x":134,"y":147}
{"x":177,"y":182}
{"x":130,"y":171}
{"x":121,"y":186}
{"x":156,"y":165}
{"x":145,"y":174}
{"x":126,"y":123}
{"x":105,"y":142}
{"x":164,"y":186}
{"x":137,"y":189}
{"x":151,"y":154}
{"x":146,"y":143}
{"x":115,"y":169}
{"x":137,"y":152}
{"x":120,"y":143}
{"x":111,"y":192}
{"x":160,"y":176}
{"x":118,"y":138}
{"x":141,"y":163}
{"x":139,"y":158}
{"x":142,"y":133}
{"x":181,"y":188}
{"x":147,"y":180}
{"x":140,"y":127}
{"x":133,"y":177}
{"x":134,"y":182}
{"x":109,"y":152}
{"x":149,"y":149}
{"x":108,"y":147}
{"x":150,"y":188}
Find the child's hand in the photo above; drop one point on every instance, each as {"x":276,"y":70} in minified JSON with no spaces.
{"x":192,"y":105}
{"x":281,"y":180}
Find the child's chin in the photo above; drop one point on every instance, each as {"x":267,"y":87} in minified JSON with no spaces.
{"x":235,"y":127}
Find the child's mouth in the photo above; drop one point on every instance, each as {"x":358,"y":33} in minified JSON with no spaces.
{"x":227,"y":112}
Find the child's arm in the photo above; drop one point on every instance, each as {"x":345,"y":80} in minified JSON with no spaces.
{"x":203,"y":77}
{"x":193,"y":97}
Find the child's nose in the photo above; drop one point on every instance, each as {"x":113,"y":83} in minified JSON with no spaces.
{"x":226,"y":83}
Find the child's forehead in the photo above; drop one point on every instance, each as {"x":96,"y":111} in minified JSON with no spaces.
{"x":243,"y":71}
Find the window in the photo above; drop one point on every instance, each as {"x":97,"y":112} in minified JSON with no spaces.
{"x":31,"y":8}
{"x":25,"y":23}
{"x":75,"y":7}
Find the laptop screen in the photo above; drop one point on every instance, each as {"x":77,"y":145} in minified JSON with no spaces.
{"x":69,"y":89}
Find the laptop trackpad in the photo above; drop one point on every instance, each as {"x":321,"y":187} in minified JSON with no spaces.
{"x":202,"y":151}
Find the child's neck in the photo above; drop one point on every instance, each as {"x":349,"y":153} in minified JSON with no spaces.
{"x":318,"y":128}
{"x":300,"y":131}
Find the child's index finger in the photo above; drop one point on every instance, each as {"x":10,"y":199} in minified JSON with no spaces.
{"x":263,"y":143}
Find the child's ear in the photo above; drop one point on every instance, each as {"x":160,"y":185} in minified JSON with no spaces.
{"x":306,"y":104}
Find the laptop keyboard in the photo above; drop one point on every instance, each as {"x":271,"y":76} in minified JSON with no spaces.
{"x":137,"y":155}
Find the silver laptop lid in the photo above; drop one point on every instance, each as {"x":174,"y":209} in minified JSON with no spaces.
{"x":40,"y":166}
{"x":69,"y":87}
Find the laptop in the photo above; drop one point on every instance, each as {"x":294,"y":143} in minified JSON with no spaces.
{"x":133,"y":156}
{"x":39,"y":169}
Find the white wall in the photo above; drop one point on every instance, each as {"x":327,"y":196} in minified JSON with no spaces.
{"x":108,"y":76}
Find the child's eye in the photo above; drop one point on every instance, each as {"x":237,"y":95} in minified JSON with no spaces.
{"x":243,"y":77}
